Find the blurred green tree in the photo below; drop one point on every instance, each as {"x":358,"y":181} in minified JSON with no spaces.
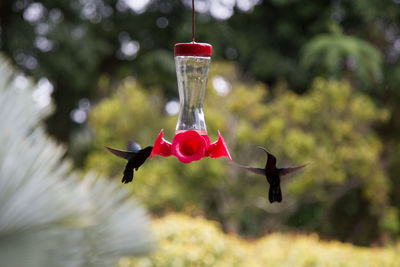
{"x":74,"y":43}
{"x":47,"y":217}
{"x":342,"y":193}
{"x":340,"y":56}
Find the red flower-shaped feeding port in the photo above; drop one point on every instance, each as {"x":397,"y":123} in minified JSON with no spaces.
{"x":190,"y":146}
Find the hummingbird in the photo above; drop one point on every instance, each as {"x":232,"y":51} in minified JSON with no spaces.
{"x":135,"y":156}
{"x":273,"y":174}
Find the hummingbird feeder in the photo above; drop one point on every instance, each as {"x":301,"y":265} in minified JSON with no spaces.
{"x":191,"y":142}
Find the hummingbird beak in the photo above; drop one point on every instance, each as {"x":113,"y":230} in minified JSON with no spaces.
{"x":262,"y":148}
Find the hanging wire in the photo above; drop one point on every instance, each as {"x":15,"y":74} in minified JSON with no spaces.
{"x":193,"y":21}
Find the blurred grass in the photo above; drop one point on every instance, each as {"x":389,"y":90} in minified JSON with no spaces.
{"x":187,"y":241}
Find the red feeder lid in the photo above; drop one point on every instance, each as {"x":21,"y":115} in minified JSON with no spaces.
{"x":193,"y":49}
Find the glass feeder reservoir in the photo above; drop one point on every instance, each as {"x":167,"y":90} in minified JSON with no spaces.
{"x":192,"y":61}
{"x":191,"y":141}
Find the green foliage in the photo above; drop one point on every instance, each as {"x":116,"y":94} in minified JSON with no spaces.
{"x":186,"y":241}
{"x":330,"y":126}
{"x":391,"y":221}
{"x":47,"y":217}
{"x":338,"y":55}
{"x":74,"y":43}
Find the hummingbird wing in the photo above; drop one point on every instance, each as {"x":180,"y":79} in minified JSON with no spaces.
{"x":271,"y":161}
{"x":251,"y":169}
{"x":284,"y":171}
{"x":133,"y":146}
{"x":120,"y":153}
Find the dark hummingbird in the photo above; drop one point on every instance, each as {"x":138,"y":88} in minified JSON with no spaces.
{"x":273,"y":174}
{"x":135,"y":156}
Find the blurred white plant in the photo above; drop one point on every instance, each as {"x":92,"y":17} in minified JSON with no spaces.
{"x":48,"y":217}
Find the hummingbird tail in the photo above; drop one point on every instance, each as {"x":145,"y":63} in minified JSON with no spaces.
{"x":275,"y":194}
{"x":128,"y":173}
